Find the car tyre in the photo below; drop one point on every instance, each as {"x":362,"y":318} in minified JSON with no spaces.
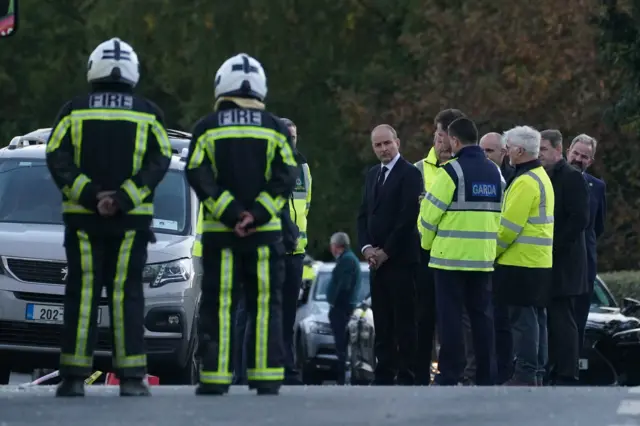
{"x":5,"y":372}
{"x":308,"y":375}
{"x":189,"y":373}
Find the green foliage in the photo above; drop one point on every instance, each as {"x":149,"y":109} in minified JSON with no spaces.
{"x":337,"y":68}
{"x":623,"y":284}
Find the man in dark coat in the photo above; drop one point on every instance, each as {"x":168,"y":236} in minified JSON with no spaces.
{"x":571,"y":215}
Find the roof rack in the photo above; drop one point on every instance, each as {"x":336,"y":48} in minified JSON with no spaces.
{"x":178,"y":134}
{"x":22,"y":141}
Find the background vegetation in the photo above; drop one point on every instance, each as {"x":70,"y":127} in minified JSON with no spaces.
{"x":339,"y":67}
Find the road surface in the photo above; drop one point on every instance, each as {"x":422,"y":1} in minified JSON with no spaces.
{"x":328,"y":405}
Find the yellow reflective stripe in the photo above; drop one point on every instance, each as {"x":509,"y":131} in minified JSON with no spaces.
{"x":435,"y":201}
{"x":475,"y":235}
{"x":142,"y":131}
{"x":536,"y":241}
{"x":76,"y":140}
{"x":510,"y":225}
{"x":223,"y":375}
{"x":121,"y":360}
{"x":469,"y":264}
{"x":217,"y":207}
{"x":274,"y":224}
{"x":113,"y":114}
{"x":160,"y":133}
{"x":215,"y":378}
{"x":77,"y":187}
{"x":428,"y":226}
{"x":86,"y":294}
{"x":256,"y":374}
{"x":542,"y":217}
{"x":136,"y":194}
{"x":76,"y":360}
{"x":71,"y":207}
{"x":197,"y":157}
{"x":272,"y":205}
{"x":58,"y":134}
{"x":262,"y":316}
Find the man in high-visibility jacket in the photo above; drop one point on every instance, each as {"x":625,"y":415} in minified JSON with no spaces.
{"x":439,"y":154}
{"x":299,"y":204}
{"x":524,"y":255}
{"x":459,"y":218}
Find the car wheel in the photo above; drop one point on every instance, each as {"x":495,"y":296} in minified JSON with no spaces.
{"x":189,"y":373}
{"x":308,"y":374}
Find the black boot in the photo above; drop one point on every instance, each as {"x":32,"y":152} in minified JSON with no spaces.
{"x":211,"y":389}
{"x":267,"y":389}
{"x":70,"y":386}
{"x":133,"y":387}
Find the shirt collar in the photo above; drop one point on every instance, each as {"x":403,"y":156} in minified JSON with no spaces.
{"x":392,"y":162}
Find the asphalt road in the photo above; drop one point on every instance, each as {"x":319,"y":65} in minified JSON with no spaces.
{"x":328,"y":405}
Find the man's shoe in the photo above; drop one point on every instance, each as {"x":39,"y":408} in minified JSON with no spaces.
{"x":70,"y":387}
{"x":211,"y":389}
{"x":133,"y":387}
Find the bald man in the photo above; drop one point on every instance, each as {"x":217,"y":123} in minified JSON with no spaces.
{"x":495,"y":148}
{"x":389,"y":240}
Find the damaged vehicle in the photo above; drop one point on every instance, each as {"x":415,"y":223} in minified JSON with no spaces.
{"x":610,"y":356}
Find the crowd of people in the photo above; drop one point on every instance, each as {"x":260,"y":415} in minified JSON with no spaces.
{"x":488,"y":244}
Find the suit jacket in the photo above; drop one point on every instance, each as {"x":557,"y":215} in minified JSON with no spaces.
{"x":571,"y":219}
{"x":344,"y":287}
{"x":597,"y":217}
{"x":389,"y":220}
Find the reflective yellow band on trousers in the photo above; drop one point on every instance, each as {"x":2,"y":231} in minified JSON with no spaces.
{"x":69,"y":207}
{"x":261,"y":372}
{"x":215,"y":226}
{"x":80,"y":358}
{"x":223,"y":375}
{"x":120,"y":357}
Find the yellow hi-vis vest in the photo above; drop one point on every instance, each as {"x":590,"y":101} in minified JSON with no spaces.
{"x":460,"y":234}
{"x":299,"y":205}
{"x":525,"y":237}
{"x":428,"y":168}
{"x":197,"y":245}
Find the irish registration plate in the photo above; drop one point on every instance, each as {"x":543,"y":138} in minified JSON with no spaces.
{"x":53,"y":314}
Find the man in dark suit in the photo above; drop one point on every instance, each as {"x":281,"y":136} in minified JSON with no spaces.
{"x":580,"y":155}
{"x":388,"y":237}
{"x":571,"y":218}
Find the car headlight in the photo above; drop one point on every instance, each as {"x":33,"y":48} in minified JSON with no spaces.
{"x":316,"y":327}
{"x":159,"y":274}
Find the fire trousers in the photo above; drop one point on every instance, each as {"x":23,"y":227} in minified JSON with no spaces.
{"x":115,"y":262}
{"x":261,"y":272}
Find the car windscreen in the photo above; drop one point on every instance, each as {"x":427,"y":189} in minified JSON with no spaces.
{"x":29,"y":195}
{"x":323,"y":279}
{"x":600,"y":296}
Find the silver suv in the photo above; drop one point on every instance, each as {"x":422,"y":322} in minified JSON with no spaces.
{"x":33,"y":268}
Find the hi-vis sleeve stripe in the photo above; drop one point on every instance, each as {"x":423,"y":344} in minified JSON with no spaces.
{"x":515,"y":213}
{"x":435,"y":203}
{"x":272,"y":205}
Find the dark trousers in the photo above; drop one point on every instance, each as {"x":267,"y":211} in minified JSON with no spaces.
{"x":455,"y":289}
{"x":425,"y":319}
{"x":293,"y":265}
{"x":339,"y":318}
{"x":393,"y":305}
{"x":504,"y":342}
{"x":469,"y":374}
{"x":261,"y":272}
{"x":240,"y":343}
{"x":114,"y":262}
{"x":563,"y":340}
{"x":582,"y":307}
{"x":529,"y":325}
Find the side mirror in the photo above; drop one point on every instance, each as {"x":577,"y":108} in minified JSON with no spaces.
{"x":630,"y":307}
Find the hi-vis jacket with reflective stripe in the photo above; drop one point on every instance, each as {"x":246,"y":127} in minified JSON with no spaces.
{"x":525,"y":237}
{"x":110,"y":140}
{"x":301,"y":201}
{"x":460,"y":213}
{"x":241,"y":160}
{"x":428,"y":168}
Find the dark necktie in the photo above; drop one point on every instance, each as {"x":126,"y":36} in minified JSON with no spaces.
{"x":381,"y":176}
